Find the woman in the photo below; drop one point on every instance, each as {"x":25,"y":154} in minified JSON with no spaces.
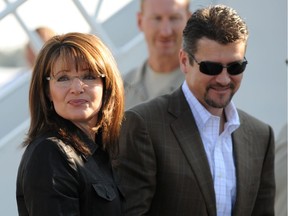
{"x":76,"y":106}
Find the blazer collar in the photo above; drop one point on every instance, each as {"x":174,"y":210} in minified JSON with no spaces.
{"x":135,"y":77}
{"x":241,"y":143}
{"x":186,"y":131}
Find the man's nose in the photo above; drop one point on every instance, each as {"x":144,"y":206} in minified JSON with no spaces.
{"x":166,"y":27}
{"x":223,"y":77}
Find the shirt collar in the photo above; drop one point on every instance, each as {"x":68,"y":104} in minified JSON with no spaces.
{"x":202,"y":115}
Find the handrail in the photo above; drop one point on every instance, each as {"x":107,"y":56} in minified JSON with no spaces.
{"x":95,"y":26}
{"x":36,"y":41}
{"x":12,"y":134}
{"x":97,"y":11}
{"x":10,"y":7}
{"x":14,"y":85}
{"x":129,"y":45}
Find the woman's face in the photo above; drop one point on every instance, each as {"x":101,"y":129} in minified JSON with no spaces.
{"x":76,"y":94}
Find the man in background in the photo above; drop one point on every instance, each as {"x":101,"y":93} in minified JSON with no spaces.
{"x":162,"y":23}
{"x":45,"y":33}
{"x":25,"y":56}
{"x":20,"y":61}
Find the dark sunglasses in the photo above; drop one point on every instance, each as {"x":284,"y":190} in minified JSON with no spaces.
{"x":214,"y":68}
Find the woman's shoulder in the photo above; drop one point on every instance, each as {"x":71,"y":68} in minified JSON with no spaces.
{"x":51,"y":153}
{"x":49,"y":145}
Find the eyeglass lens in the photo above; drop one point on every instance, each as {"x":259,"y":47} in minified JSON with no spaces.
{"x":65,"y":80}
{"x":212,"y":68}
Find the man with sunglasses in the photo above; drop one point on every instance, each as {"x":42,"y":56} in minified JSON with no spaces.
{"x":193,"y":152}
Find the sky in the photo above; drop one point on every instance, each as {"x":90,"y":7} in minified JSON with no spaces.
{"x":61,"y":15}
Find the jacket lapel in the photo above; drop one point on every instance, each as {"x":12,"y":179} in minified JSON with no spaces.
{"x":242,"y":165}
{"x":186,"y":131}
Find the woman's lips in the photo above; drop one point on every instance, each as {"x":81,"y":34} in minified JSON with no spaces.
{"x":77,"y":102}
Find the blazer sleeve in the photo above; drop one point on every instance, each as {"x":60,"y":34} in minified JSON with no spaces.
{"x":47,"y":182}
{"x":137,"y":165}
{"x":265,"y":199}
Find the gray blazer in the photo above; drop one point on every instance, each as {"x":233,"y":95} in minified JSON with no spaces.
{"x":135,"y":90}
{"x":165,"y":171}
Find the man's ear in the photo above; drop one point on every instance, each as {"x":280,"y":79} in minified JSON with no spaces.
{"x":184,"y":61}
{"x":139,"y":20}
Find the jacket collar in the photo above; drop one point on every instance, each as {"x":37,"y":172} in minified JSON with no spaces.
{"x":185,"y":129}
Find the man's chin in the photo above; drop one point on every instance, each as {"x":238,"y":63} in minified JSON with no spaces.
{"x":166,"y":52}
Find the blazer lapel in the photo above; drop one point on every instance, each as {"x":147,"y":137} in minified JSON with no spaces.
{"x":186,"y":131}
{"x":134,"y":86}
{"x":242,"y":165}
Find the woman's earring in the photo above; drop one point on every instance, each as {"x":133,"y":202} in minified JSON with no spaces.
{"x":51,"y":105}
